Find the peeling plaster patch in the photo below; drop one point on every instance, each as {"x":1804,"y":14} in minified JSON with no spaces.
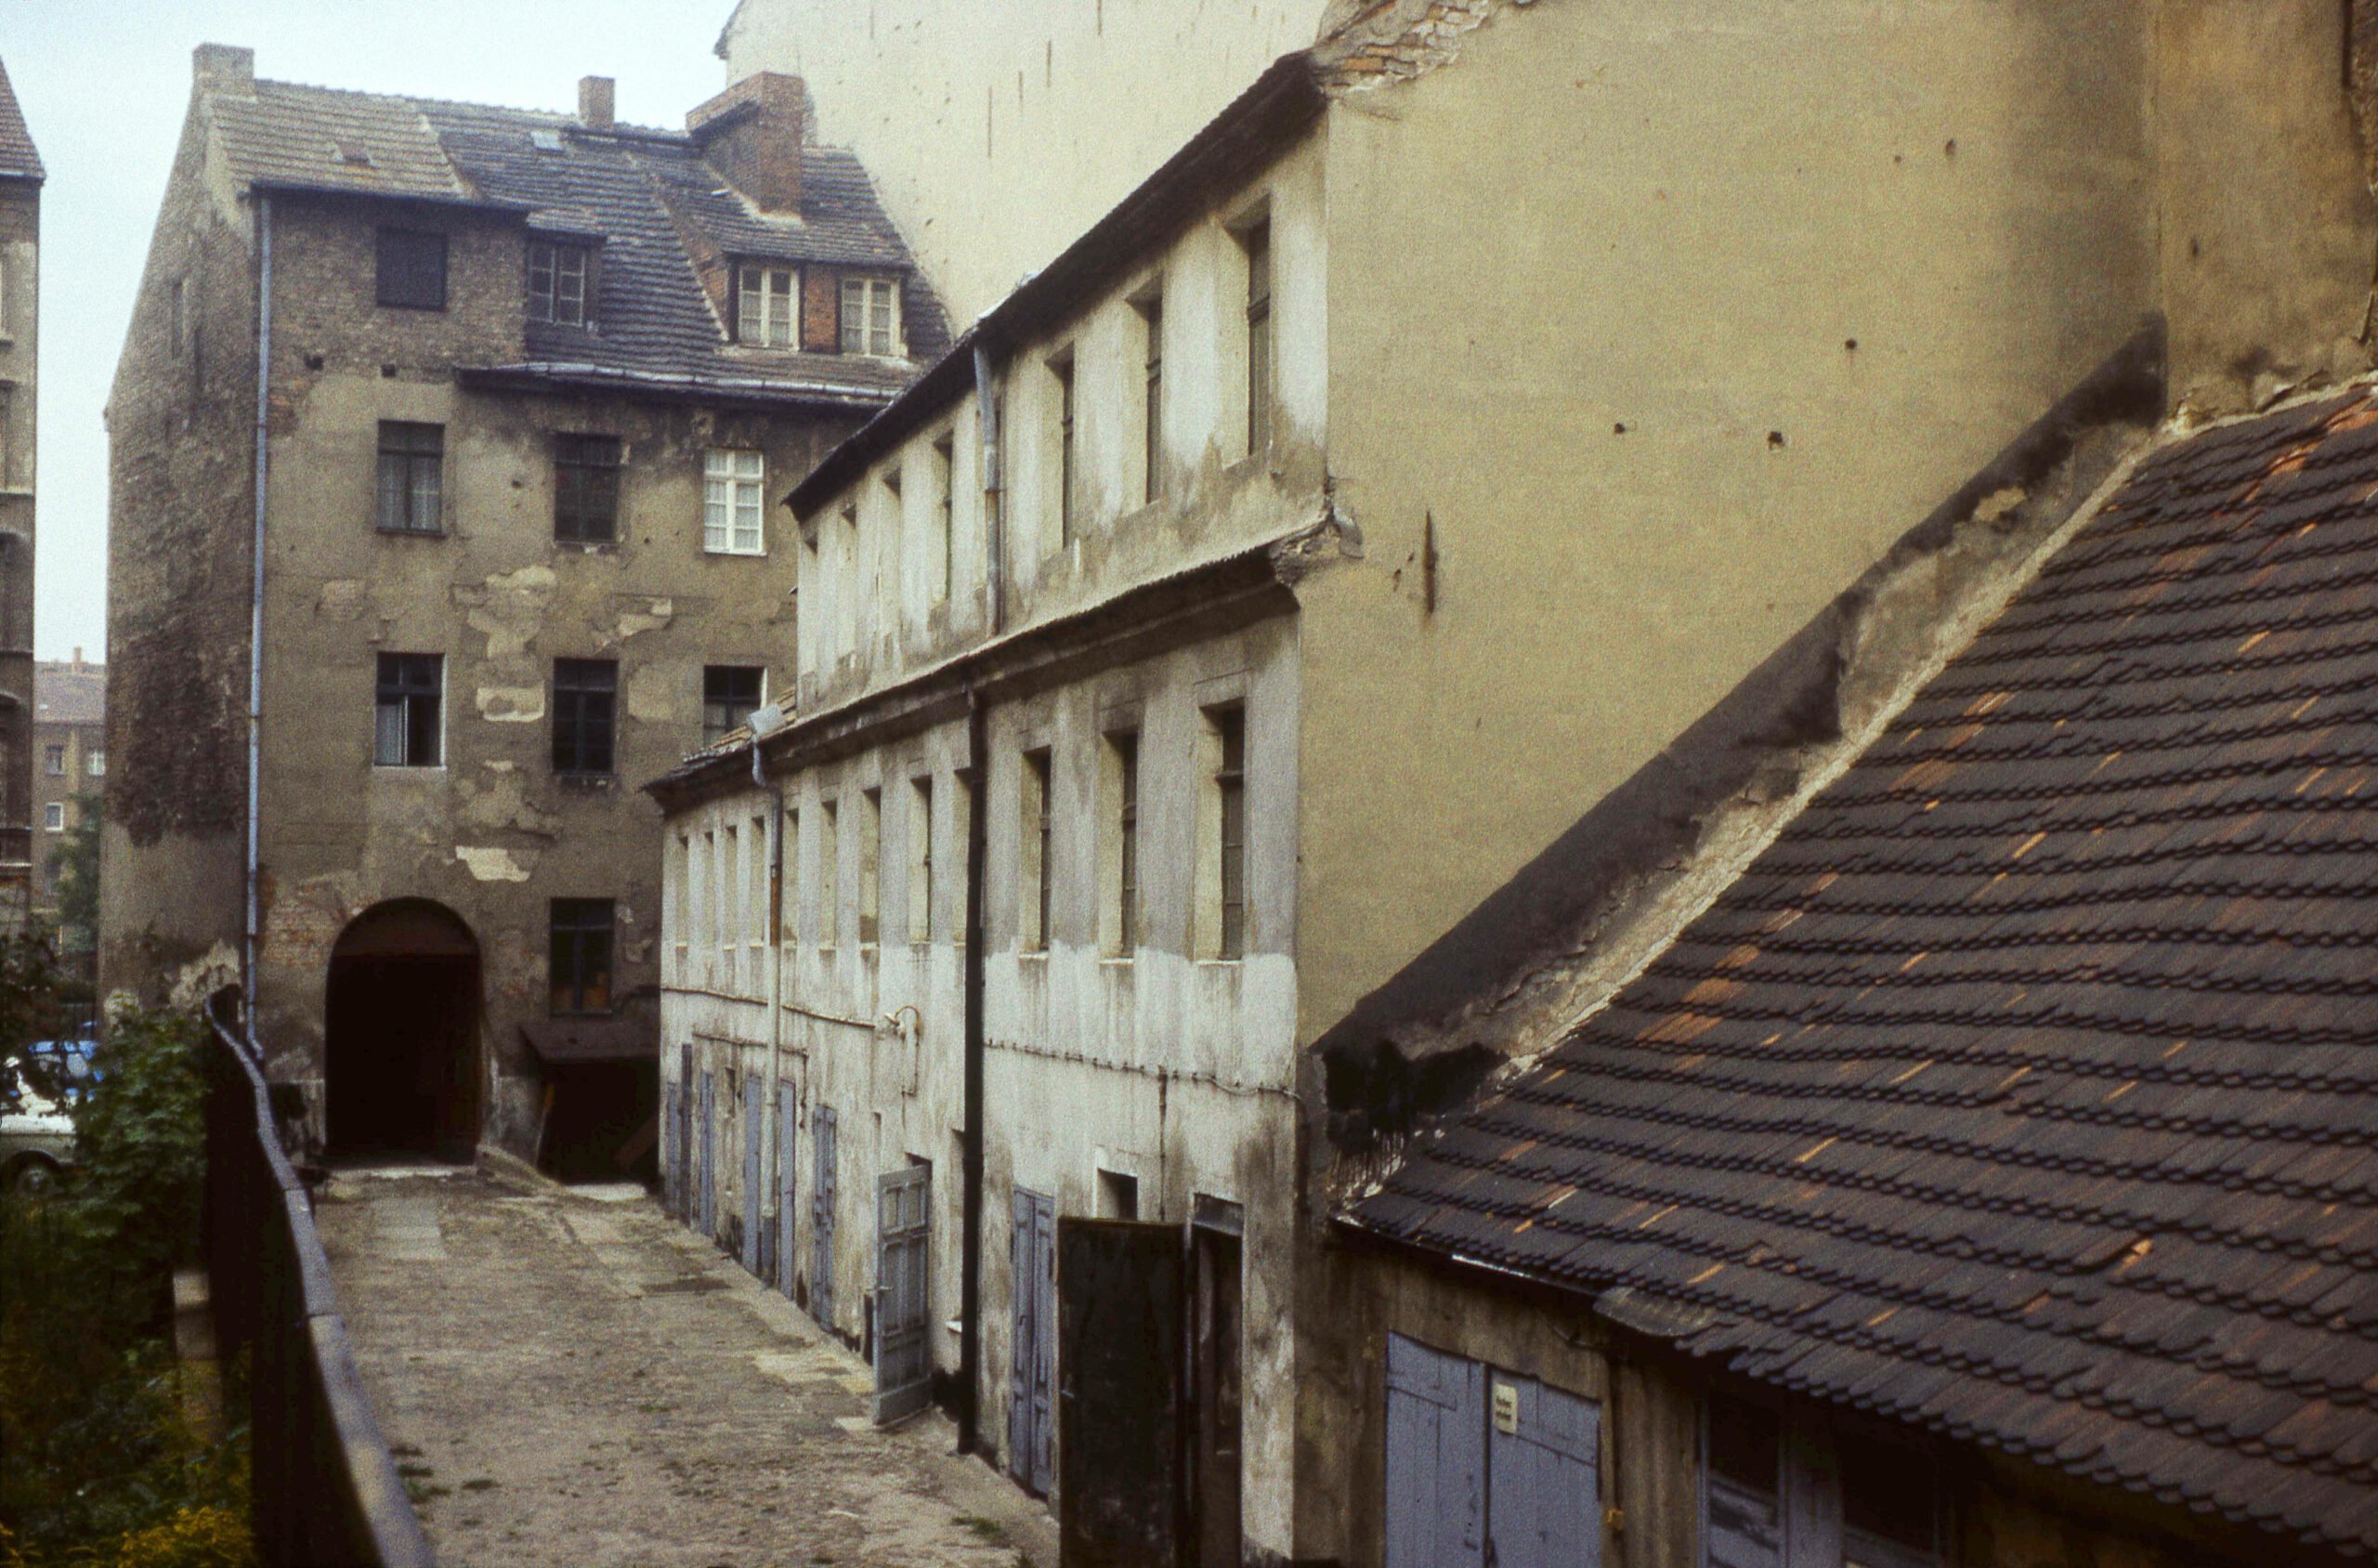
{"x":652,"y":695}
{"x":1998,"y":502}
{"x":512,"y":705}
{"x":659,"y":614}
{"x":491,"y":863}
{"x":508,"y":608}
{"x":341,"y":598}
{"x":205,"y":975}
{"x":503,"y":803}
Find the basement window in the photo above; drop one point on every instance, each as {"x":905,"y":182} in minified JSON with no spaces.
{"x":580,"y":956}
{"x":557,"y":283}
{"x":413,"y":463}
{"x":412,"y":270}
{"x":585,"y":707}
{"x":586,"y":489}
{"x":408,"y":713}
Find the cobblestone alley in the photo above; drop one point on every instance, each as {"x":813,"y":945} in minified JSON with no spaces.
{"x":570,"y":1379}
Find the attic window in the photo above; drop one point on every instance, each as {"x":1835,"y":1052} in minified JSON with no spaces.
{"x":765,"y":312}
{"x":353,"y":152}
{"x":545,"y":141}
{"x":558,"y":278}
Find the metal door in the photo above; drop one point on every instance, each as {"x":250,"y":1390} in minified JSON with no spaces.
{"x":788,"y":1118}
{"x":1032,"y":1347}
{"x":707,"y":1175}
{"x":821,"y":1218}
{"x":754,"y":1131}
{"x":1544,"y":1476}
{"x":1118,"y":1394}
{"x":1436,"y":1458}
{"x":903,"y":1254}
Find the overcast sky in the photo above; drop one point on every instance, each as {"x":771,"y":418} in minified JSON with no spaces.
{"x":104,"y":85}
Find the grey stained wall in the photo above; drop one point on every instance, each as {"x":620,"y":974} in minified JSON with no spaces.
{"x":491,"y":833}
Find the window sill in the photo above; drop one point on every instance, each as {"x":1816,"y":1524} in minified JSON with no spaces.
{"x":758,"y":555}
{"x":589,"y":546}
{"x":593,"y":783}
{"x":1114,"y":960}
{"x":386,"y":533}
{"x":399,"y":770}
{"x":1221,"y":963}
{"x":1034,"y":955}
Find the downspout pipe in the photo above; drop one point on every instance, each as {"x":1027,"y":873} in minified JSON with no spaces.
{"x":255,"y":597}
{"x":970,"y":1264}
{"x":970,"y":1241}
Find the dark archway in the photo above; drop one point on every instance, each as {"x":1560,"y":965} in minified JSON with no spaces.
{"x":402,"y":1031}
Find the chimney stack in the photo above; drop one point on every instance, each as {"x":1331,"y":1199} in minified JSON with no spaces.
{"x":594,"y":102}
{"x":225,"y":69}
{"x":751,"y":135}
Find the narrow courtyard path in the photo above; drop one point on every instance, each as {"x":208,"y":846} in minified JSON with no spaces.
{"x":571,"y":1381}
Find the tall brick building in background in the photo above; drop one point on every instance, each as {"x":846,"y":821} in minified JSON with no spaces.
{"x":474,"y":414}
{"x":70,"y":759}
{"x":20,"y":183}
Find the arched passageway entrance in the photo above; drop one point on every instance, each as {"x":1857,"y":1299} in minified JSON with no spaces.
{"x":402,"y":1033}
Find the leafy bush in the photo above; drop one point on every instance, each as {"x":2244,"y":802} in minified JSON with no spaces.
{"x":99,"y":1462}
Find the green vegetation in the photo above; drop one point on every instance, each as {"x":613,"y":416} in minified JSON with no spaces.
{"x":77,"y":862}
{"x":101,"y":1462}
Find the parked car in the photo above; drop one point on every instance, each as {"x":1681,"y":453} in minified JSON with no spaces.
{"x":36,"y":1121}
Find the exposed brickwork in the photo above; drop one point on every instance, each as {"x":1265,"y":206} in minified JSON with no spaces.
{"x":753,"y":133}
{"x":1396,"y":40}
{"x":821,"y":309}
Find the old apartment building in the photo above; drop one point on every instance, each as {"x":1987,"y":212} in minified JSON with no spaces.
{"x":1457,"y":505}
{"x":20,"y":186}
{"x":444,"y":441}
{"x":70,"y":759}
{"x":945,"y":101}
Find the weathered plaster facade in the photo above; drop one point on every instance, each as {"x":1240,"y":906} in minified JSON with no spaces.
{"x":491,"y":828}
{"x":69,"y":760}
{"x":945,"y":101}
{"x":1654,"y":394}
{"x":22,"y":177}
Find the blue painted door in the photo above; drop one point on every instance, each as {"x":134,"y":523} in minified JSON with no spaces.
{"x":1436,"y":1458}
{"x":1032,"y":1342}
{"x":754,"y":1119}
{"x":1543,"y":1476}
{"x":788,"y":1118}
{"x":821,"y":1219}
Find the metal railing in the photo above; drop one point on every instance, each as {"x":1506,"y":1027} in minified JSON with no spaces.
{"x":325,"y":1490}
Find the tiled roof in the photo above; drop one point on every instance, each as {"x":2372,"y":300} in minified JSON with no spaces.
{"x":67,"y":693}
{"x":2026,"y":1088}
{"x":18,"y":158}
{"x":629,"y":187}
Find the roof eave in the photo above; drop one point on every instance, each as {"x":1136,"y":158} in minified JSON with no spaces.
{"x":408,"y":198}
{"x":669,"y":388}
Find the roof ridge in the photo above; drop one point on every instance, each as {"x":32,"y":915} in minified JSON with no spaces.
{"x":560,"y":118}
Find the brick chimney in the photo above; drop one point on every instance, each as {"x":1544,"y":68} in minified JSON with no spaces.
{"x":594,"y":102}
{"x":751,"y":132}
{"x":225,"y":69}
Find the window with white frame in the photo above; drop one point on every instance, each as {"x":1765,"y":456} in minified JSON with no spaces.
{"x":871,"y":317}
{"x":767,"y":306}
{"x":95,"y":763}
{"x":732,"y":482}
{"x":558,"y":279}
{"x":54,"y":817}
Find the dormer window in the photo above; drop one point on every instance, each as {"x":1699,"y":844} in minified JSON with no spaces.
{"x":765,"y":310}
{"x":871,"y":317}
{"x":557,"y":276}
